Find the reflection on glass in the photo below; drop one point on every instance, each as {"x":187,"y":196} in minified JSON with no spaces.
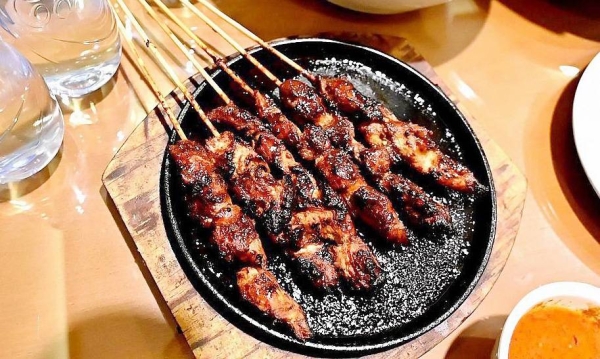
{"x":73,"y":43}
{"x":31,"y":123}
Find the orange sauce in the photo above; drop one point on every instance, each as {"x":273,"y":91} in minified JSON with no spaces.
{"x":550,"y":331}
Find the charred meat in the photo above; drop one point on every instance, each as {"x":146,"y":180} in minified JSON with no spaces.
{"x":234,"y":234}
{"x":260,"y":287}
{"x":303,"y":236}
{"x":412,"y":143}
{"x":314,"y":146}
{"x":420,"y":208}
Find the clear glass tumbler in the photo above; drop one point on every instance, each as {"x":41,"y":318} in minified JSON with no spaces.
{"x":31,"y":123}
{"x":74,"y":44}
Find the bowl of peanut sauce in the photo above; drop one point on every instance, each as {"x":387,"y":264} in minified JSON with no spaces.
{"x":557,"y":320}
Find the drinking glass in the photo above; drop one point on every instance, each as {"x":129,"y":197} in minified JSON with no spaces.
{"x":74,"y":44}
{"x":31,"y":122}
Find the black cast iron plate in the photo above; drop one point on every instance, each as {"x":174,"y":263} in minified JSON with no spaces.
{"x":425,"y":282}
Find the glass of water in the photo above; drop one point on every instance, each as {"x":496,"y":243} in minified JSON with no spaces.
{"x":74,"y":44}
{"x":31,"y":123}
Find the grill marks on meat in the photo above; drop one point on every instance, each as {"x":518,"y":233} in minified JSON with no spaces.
{"x":361,"y":272}
{"x":418,"y":206}
{"x":411,"y":143}
{"x":370,"y":205}
{"x":421,"y":209}
{"x":351,"y":254}
{"x":319,"y":230}
{"x":235,"y":235}
{"x":308,"y":108}
{"x":314,"y":146}
{"x":267,"y":199}
{"x":274,"y":206}
{"x":272,"y":150}
{"x":210,"y":205}
{"x":260,"y":287}
{"x":281,"y":127}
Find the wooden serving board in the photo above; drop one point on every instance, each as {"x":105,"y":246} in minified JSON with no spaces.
{"x":132,"y":180}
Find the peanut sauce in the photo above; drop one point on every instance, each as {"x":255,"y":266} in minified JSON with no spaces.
{"x":551,"y":331}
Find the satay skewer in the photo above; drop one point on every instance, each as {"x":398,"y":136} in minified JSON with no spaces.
{"x":365,"y":202}
{"x":310,"y":210}
{"x":254,"y":253}
{"x":256,"y":284}
{"x":419,"y":207}
{"x":412,"y":144}
{"x":358,"y":274}
{"x":327,"y":269}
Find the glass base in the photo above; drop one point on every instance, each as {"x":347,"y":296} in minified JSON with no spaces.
{"x":33,"y":157}
{"x":84,"y":81}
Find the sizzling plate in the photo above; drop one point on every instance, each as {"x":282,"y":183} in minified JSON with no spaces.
{"x":425,"y":282}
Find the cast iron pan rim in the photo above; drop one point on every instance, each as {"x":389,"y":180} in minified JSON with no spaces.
{"x":189,"y":264}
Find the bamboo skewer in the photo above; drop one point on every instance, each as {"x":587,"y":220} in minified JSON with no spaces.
{"x":231,"y":41}
{"x":184,"y":49}
{"x":256,"y":39}
{"x":201,"y":43}
{"x":148,"y":78}
{"x":251,"y":277}
{"x":215,"y":58}
{"x":166,"y":67}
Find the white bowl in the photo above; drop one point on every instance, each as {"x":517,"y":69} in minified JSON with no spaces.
{"x":386,"y":6}
{"x":568,"y":294}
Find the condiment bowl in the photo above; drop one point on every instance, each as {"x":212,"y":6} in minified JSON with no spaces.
{"x":573,"y":295}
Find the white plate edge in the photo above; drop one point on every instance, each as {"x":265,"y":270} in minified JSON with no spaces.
{"x":585,"y":107}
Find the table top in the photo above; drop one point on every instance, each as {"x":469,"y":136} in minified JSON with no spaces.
{"x":72,"y":284}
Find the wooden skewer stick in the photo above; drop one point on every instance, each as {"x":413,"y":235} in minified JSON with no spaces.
{"x":257,"y":39}
{"x":201,"y":43}
{"x":146,"y":74}
{"x":165,"y":9}
{"x":215,"y":58}
{"x":167,"y":68}
{"x":230,"y":40}
{"x":185,"y":51}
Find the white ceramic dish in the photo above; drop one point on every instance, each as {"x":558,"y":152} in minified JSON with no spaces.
{"x":386,"y":6}
{"x":586,"y":122}
{"x":569,"y":294}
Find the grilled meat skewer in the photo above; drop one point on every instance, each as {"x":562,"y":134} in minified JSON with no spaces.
{"x":210,"y":206}
{"x":421,"y":209}
{"x":411,"y":143}
{"x":382,"y":216}
{"x":314,"y":236}
{"x":234,"y":234}
{"x":260,"y":287}
{"x":313,"y":145}
{"x":269,"y":201}
{"x":316,"y":213}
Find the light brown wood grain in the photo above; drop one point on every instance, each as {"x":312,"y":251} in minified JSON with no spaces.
{"x":132,"y":181}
